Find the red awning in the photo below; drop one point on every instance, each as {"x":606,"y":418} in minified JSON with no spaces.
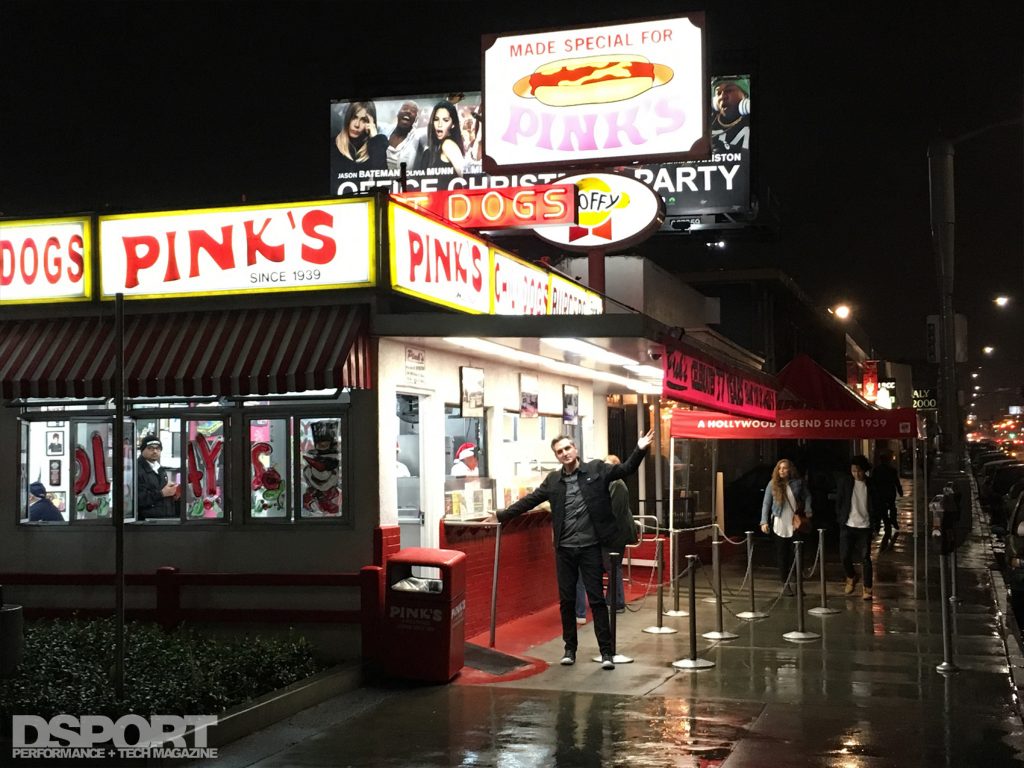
{"x":898,"y":423}
{"x":228,"y":352}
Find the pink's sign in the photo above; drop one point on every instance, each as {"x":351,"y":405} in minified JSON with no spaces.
{"x":596,"y":95}
{"x":705,"y":383}
{"x":301,"y":246}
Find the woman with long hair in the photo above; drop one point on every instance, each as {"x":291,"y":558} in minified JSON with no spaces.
{"x":358,"y":146}
{"x":444,"y":140}
{"x":785,"y":495}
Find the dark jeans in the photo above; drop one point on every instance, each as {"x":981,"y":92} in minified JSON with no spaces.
{"x":585,"y":563}
{"x":620,"y":593}
{"x":855,"y":546}
{"x":888,"y":507}
{"x":783,"y":555}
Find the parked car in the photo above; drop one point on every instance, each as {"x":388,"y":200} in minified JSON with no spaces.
{"x":1013,"y":570}
{"x":982,"y":458}
{"x":1010,"y":500}
{"x":996,"y":485}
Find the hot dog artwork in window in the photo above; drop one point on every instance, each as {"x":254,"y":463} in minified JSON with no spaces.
{"x":592,"y":80}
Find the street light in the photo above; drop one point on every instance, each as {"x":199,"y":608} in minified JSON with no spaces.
{"x":943,"y":226}
{"x":988,"y":350}
{"x":841,"y":311}
{"x":1001,"y":301}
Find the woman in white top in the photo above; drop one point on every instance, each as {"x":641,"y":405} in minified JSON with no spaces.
{"x":785,"y":495}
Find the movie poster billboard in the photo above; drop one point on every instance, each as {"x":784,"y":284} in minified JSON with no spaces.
{"x":436,"y":136}
{"x":720,"y":184}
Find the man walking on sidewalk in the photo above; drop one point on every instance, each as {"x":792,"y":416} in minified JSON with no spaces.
{"x":885,"y":481}
{"x":858,"y":523}
{"x":582,"y":521}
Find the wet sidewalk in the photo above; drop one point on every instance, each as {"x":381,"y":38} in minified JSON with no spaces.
{"x":864,"y":694}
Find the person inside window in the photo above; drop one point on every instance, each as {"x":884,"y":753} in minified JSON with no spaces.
{"x":40,"y":508}
{"x":465,"y":462}
{"x":156,"y":493}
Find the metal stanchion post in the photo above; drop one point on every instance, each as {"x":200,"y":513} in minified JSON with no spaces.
{"x":719,"y":633}
{"x":693,"y":662}
{"x":823,"y":609}
{"x":800,"y":635}
{"x":494,"y":583}
{"x":753,"y":613}
{"x":715,"y":567}
{"x":674,"y":565}
{"x":953,"y":596}
{"x":613,"y":606}
{"x":658,"y":629}
{"x":947,"y":666}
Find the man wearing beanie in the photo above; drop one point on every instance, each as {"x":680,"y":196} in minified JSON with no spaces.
{"x":156,"y":494}
{"x":40,"y":508}
{"x":730,"y":125}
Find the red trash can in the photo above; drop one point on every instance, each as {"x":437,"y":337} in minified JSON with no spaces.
{"x":424,"y":618}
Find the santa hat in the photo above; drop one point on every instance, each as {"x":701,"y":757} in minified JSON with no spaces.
{"x":465,"y":450}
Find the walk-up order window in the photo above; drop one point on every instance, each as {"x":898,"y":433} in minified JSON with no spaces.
{"x":288,"y":456}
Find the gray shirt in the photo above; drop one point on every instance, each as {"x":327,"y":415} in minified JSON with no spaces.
{"x":577,"y":529}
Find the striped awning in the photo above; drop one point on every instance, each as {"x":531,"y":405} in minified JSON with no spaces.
{"x":220,"y":353}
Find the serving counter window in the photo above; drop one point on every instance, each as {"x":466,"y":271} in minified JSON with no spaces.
{"x":67,"y":469}
{"x":468,"y":498}
{"x":528,"y":445}
{"x":287,"y":459}
{"x":192,"y":458}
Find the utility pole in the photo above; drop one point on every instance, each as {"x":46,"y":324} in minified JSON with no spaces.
{"x":943,"y":220}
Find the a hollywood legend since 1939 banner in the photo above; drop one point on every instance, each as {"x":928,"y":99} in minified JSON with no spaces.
{"x":438,"y":137}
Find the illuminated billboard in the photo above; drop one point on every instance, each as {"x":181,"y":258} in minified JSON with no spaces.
{"x":286,"y":247}
{"x":595,"y":96}
{"x":45,"y":260}
{"x":442,"y":264}
{"x":437,"y":136}
{"x":720,"y":184}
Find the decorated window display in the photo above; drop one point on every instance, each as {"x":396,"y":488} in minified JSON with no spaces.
{"x":181,"y":467}
{"x":296,"y":468}
{"x":269,"y":467}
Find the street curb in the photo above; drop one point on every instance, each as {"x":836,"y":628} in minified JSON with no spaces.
{"x":277,"y":705}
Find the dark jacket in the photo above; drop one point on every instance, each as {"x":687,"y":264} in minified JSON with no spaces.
{"x":595,"y":477}
{"x":844,"y":501}
{"x":151,"y":504}
{"x":43,"y":511}
{"x":627,"y":531}
{"x":885,"y":482}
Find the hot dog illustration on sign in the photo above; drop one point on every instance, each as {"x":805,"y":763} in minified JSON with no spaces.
{"x":592,"y":80}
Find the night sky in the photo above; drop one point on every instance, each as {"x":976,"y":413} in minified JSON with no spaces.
{"x":108,"y":106}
